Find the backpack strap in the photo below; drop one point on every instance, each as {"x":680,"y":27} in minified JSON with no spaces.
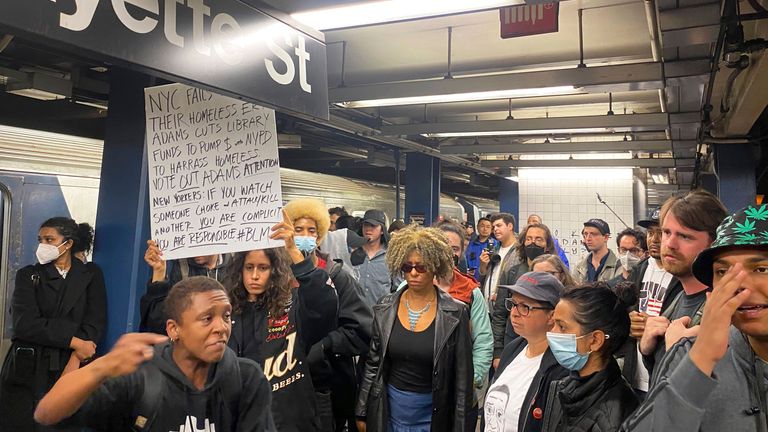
{"x":151,"y":398}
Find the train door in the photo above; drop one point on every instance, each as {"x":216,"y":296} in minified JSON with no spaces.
{"x":9,"y":239}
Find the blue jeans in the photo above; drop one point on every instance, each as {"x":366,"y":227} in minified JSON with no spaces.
{"x":408,"y":411}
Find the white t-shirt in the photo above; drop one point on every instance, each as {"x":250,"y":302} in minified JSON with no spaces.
{"x":654,"y":285}
{"x":505,"y":396}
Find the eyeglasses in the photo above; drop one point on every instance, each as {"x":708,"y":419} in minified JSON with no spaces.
{"x":522,"y":308}
{"x":406,"y":268}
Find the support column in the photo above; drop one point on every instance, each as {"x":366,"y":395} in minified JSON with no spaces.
{"x":422,"y":188}
{"x":735,"y":165}
{"x":509,"y":198}
{"x":122,"y":222}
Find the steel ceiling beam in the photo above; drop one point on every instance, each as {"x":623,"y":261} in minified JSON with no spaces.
{"x":582,"y":163}
{"x":561,"y":147}
{"x":690,"y":25}
{"x":626,"y":77}
{"x":618,"y":123}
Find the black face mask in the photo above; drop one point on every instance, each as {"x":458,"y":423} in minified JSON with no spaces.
{"x":532,"y":251}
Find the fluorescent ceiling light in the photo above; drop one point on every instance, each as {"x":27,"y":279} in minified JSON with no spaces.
{"x":575,"y":156}
{"x":391,"y":10}
{"x":516,"y":132}
{"x":551,"y":174}
{"x":463,"y":97}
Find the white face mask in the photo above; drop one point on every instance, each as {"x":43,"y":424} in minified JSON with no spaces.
{"x":47,"y":253}
{"x":629,"y":261}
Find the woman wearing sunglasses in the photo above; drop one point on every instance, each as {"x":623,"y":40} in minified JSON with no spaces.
{"x":418,"y":376}
{"x":591,"y":324}
{"x":517,"y":397}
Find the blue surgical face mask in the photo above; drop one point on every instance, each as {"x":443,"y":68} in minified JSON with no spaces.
{"x":306,"y":244}
{"x":563,"y":346}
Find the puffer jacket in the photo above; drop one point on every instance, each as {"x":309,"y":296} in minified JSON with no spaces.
{"x":596,"y":403}
{"x":452,"y":366}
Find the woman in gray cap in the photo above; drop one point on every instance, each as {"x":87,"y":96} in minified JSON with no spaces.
{"x":516,"y":399}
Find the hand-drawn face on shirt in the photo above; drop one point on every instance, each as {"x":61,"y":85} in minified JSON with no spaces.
{"x":495,"y":405}
{"x":257,"y":270}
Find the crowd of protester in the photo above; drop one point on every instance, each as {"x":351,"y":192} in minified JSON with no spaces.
{"x":371,"y":324}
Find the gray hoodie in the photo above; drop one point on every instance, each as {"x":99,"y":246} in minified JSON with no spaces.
{"x":682,"y":398}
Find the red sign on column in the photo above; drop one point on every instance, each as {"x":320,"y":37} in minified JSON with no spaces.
{"x":526,"y":20}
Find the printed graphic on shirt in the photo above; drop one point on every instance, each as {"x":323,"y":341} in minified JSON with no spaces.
{"x":651,"y":298}
{"x":654,"y":287}
{"x":279,"y":369}
{"x":190,"y":425}
{"x":495,"y":405}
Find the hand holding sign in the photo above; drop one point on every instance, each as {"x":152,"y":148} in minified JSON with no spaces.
{"x":285,"y":231}
{"x":154,"y":258}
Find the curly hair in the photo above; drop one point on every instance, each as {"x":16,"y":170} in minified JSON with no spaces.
{"x":430,"y":243}
{"x":277,"y":295}
{"x":80,"y":234}
{"x":310,"y":208}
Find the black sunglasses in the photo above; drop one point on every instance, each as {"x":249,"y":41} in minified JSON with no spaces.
{"x":406,"y":268}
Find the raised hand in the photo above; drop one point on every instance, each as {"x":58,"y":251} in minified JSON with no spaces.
{"x":285,"y":231}
{"x":130,"y":351}
{"x":726,"y":297}
{"x":154,"y":258}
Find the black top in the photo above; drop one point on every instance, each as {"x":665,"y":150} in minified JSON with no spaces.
{"x":410,"y":356}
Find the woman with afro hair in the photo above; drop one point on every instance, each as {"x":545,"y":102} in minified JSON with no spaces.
{"x":418,"y":375}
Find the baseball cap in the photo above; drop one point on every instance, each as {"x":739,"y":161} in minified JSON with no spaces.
{"x":652,"y":220}
{"x":600,"y":224}
{"x":539,"y":286}
{"x":375,"y":217}
{"x":747,"y":228}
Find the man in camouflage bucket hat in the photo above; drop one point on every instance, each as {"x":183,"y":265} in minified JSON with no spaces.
{"x":717,"y":381}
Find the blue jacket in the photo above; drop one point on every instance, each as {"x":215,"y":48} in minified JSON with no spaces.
{"x":561,"y":253}
{"x":472,"y":254}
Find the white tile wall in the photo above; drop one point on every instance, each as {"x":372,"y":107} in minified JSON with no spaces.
{"x":566,"y":198}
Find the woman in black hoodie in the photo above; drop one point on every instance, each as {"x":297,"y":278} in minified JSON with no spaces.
{"x":591,"y":324}
{"x":282,"y":306}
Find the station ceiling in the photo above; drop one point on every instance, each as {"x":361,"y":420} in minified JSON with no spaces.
{"x":636,"y":93}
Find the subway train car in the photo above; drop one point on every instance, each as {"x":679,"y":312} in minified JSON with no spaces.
{"x":45,"y":174}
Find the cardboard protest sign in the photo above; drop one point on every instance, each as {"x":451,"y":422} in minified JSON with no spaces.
{"x":214,"y":173}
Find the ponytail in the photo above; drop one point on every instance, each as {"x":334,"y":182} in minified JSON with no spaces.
{"x":597,"y":307}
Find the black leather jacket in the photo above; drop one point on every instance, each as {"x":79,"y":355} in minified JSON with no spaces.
{"x":452,"y":366}
{"x":596,"y":403}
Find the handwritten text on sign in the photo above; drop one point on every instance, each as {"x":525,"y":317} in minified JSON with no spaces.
{"x":214,"y":174}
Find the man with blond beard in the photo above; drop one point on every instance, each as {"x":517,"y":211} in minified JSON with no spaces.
{"x":688,"y":226}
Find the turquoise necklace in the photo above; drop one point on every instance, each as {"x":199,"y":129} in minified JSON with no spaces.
{"x":414,"y":315}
